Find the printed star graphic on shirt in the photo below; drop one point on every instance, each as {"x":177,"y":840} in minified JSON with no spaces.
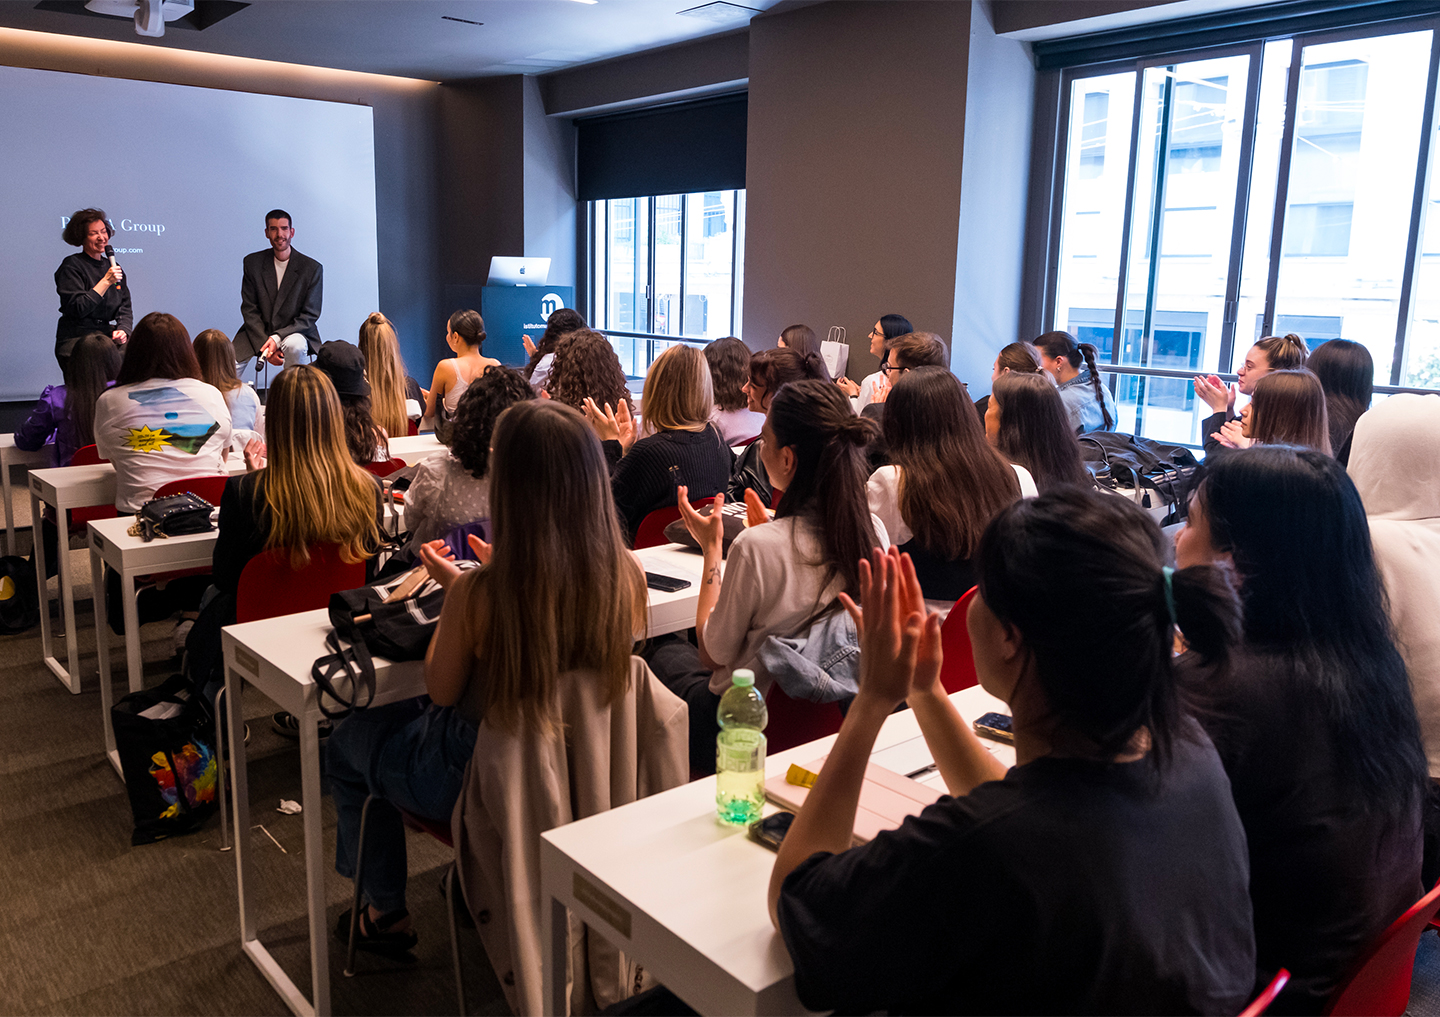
{"x":143,"y":439}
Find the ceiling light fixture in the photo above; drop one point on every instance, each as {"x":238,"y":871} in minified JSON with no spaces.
{"x":720,"y":12}
{"x":587,"y":1}
{"x":463,"y":21}
{"x":150,"y":15}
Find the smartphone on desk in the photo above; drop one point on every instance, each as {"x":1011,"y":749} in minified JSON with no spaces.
{"x":771,"y":830}
{"x":665,"y":584}
{"x":995,"y":726}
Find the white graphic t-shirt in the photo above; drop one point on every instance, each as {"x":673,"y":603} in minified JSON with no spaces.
{"x":160,"y":430}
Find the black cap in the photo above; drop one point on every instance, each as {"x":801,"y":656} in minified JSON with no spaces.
{"x":345,"y":365}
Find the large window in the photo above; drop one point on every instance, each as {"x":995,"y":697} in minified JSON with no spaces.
{"x":664,"y":268}
{"x":1211,"y":198}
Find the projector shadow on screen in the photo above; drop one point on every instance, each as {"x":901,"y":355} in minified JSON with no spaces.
{"x":186,"y":176}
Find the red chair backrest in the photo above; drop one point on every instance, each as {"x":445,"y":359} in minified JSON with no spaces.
{"x":209,"y":488}
{"x":794,"y":722}
{"x":412,"y":427}
{"x":748,"y":441}
{"x":384,"y":469}
{"x":440,"y":831}
{"x":1379,"y":984}
{"x":1267,"y":996}
{"x":87,"y":456}
{"x":958,"y":670}
{"x":651,"y":531}
{"x":269,"y":587}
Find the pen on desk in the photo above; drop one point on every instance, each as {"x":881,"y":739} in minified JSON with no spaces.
{"x":928,"y":768}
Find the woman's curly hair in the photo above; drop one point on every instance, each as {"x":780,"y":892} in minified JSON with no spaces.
{"x":488,"y":396}
{"x":587,"y":365}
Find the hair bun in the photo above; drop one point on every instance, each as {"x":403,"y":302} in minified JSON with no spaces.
{"x":856,"y":430}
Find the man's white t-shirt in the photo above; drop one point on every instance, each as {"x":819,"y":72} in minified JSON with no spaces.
{"x":160,"y":430}
{"x":280,"y":272}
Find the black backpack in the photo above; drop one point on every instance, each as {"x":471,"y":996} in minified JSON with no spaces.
{"x":1159,"y":473}
{"x":19,"y":596}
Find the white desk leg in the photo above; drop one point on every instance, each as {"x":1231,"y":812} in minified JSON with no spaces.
{"x":133,"y":663}
{"x":102,"y":649}
{"x":314,"y":855}
{"x":9,"y":509}
{"x":240,"y":795}
{"x":67,"y":596}
{"x":555,"y":959}
{"x":69,"y":678}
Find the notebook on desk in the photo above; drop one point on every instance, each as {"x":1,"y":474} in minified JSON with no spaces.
{"x":886,"y":798}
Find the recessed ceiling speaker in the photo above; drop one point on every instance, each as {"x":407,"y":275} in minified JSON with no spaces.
{"x":150,"y":15}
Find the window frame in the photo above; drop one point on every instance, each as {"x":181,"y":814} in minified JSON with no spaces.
{"x":1053,"y":161}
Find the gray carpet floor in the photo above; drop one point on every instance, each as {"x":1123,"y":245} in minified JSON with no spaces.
{"x":94,"y":926}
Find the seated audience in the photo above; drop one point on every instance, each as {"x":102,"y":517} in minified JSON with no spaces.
{"x":453,"y":490}
{"x":780,"y":576}
{"x":1110,"y":860}
{"x":1088,"y":401}
{"x":888,"y":327}
{"x":561,"y":322}
{"x":800,"y":338}
{"x":1027,"y":422}
{"x":309,"y":492}
{"x":344,"y":365}
{"x":1272,"y":353}
{"x":945,"y":481}
{"x":1399,"y":483}
{"x":1313,"y":718}
{"x":905,"y":353}
{"x":392,"y":390}
{"x":64,"y":415}
{"x":160,"y":422}
{"x":681,"y":447}
{"x":729,"y":361}
{"x":769,"y":369}
{"x":464,"y":334}
{"x":1021,"y":358}
{"x":216,"y":354}
{"x":558,"y":604}
{"x":587,"y":366}
{"x":1347,"y":374}
{"x":1288,"y":408}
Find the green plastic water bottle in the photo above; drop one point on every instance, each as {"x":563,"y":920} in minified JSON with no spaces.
{"x":740,"y":751}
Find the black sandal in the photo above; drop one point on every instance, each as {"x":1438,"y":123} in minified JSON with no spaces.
{"x":378,"y":935}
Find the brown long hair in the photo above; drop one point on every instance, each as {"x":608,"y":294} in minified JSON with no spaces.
{"x":772,"y":368}
{"x":385,"y":371}
{"x":1288,"y":408}
{"x":93,"y":363}
{"x":729,"y":361}
{"x":952,"y":482}
{"x":1035,"y":430}
{"x":314,"y":492}
{"x":216,"y":354}
{"x":562,"y":322}
{"x":586,"y":365}
{"x":678,"y":394}
{"x":815,"y":419}
{"x":1063,"y":344}
{"x":158,"y":348}
{"x":1021,"y":357}
{"x":561,"y":593}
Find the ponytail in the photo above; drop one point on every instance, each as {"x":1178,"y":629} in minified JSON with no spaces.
{"x":1207,"y":612}
{"x":1088,"y":352}
{"x":814,"y":419}
{"x":1064,"y":345}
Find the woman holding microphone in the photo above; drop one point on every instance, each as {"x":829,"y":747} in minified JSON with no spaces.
{"x":93,"y":296}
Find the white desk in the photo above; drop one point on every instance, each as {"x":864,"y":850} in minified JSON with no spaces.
{"x":12,"y":456}
{"x":275,"y":656}
{"x":685,"y":896}
{"x":414,"y":447}
{"x":111,"y":545}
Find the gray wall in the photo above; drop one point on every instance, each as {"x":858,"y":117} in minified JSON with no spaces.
{"x":990,"y":267}
{"x":857,"y":114}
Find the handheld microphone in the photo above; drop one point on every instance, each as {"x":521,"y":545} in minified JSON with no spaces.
{"x":110,"y":253}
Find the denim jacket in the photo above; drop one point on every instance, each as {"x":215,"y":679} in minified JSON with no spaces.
{"x":820,"y":664}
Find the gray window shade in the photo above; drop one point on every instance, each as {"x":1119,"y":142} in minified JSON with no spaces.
{"x":678,"y":149}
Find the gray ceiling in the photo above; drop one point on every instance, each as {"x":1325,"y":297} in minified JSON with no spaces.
{"x":410,"y":37}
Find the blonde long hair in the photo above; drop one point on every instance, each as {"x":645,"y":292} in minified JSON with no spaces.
{"x":561,"y":592}
{"x":313,"y":490}
{"x":216,"y":354}
{"x":385,"y":371}
{"x":679,"y":393}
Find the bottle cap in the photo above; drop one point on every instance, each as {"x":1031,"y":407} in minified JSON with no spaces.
{"x":743,"y":676}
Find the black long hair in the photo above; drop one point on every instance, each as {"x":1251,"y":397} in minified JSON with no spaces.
{"x":1347,"y":374}
{"x":1064,"y":345}
{"x":1079,"y":574}
{"x":815,"y":419}
{"x":94,"y":363}
{"x":1315,"y":605}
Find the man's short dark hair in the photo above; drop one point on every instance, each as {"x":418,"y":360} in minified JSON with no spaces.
{"x":279,"y":213}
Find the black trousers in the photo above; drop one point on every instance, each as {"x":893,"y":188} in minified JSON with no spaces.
{"x":676,"y":662}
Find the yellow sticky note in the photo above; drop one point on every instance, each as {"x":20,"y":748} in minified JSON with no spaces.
{"x":800,"y":777}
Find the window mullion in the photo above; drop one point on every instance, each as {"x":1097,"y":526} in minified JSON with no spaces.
{"x":1229,"y":320}
{"x":1282,"y":183}
{"x":1417,"y":214}
{"x":684,"y":257}
{"x":1056,"y":222}
{"x":1118,"y":335}
{"x":1157,"y":215}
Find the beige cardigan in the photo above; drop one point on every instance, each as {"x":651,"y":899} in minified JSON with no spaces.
{"x":517,"y":787}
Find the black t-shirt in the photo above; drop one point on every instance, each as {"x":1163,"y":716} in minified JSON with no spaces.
{"x":1326,"y":875}
{"x":1068,"y":887}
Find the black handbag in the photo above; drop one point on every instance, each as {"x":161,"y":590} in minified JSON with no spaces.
{"x":172,"y":516}
{"x":167,"y":756}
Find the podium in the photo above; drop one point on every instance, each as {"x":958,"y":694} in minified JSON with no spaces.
{"x":513,"y":311}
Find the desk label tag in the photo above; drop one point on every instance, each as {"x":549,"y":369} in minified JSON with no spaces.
{"x":592,"y":897}
{"x":247,"y":660}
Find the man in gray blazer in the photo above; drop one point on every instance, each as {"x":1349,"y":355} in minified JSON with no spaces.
{"x":279,"y":299}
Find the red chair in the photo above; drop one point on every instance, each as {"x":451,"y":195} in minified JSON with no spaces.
{"x":269,"y":587}
{"x":80,"y":517}
{"x":384,"y":469}
{"x":748,"y":441}
{"x":1379,"y":984}
{"x":87,"y":456}
{"x":651,"y":531}
{"x":958,"y":670}
{"x":209,"y":488}
{"x":412,"y":427}
{"x":1259,"y":1003}
{"x":794,"y":722}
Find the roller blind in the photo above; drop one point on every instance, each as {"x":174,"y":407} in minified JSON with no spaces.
{"x":677,"y":149}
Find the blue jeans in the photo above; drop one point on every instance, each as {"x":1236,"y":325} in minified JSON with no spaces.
{"x":410,"y":755}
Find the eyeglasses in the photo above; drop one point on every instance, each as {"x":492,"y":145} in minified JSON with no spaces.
{"x":876,"y":334}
